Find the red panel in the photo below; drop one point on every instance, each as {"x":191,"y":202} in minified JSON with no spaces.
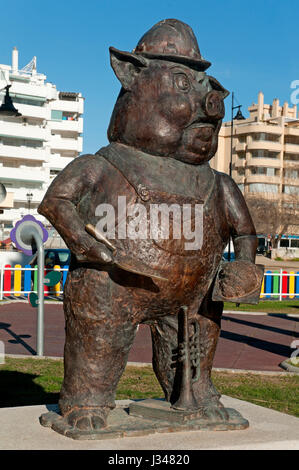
{"x":284,"y":284}
{"x":7,"y":279}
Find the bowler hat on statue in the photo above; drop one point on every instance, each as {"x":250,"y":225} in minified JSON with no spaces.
{"x":172,"y":40}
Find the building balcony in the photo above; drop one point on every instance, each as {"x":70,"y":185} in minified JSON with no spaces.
{"x":290,"y":181}
{"x":20,"y":195}
{"x":264,"y":145}
{"x":291,"y":163}
{"x":269,"y":162}
{"x":291,"y":148}
{"x":239,"y":162}
{"x":272,"y":196}
{"x":67,"y":126}
{"x":253,"y":127}
{"x":21,"y":131}
{"x":68,"y":106}
{"x":56,"y":162}
{"x":62,"y":144}
{"x":23,"y":152}
{"x":23,"y":174}
{"x":42,"y":91}
{"x":292,"y":130}
{"x":38,"y":112}
{"x":240,"y":147}
{"x":239,"y":179}
{"x":263,"y":179}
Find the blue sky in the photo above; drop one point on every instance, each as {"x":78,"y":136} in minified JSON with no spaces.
{"x":252,"y":46}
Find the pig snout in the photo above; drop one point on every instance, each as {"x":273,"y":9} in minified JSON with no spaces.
{"x":213,"y":105}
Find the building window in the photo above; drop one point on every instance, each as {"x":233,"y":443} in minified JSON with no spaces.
{"x":292,"y":157}
{"x":267,"y":171}
{"x":291,"y":139}
{"x":263,"y":188}
{"x":56,"y":115}
{"x":264,"y":154}
{"x":241,"y":154}
{"x":290,"y":189}
{"x":266,"y":137}
{"x":30,"y":102}
{"x":21,"y":142}
{"x":294,"y":242}
{"x":288,"y":173}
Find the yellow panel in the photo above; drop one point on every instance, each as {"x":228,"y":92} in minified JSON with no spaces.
{"x":292,"y":284}
{"x":57,"y":286}
{"x":17,"y":280}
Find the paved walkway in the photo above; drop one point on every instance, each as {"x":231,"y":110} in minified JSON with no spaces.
{"x":254,"y":342}
{"x":269,"y":263}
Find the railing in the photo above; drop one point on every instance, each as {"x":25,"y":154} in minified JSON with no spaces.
{"x":280,"y":285}
{"x":19,"y":281}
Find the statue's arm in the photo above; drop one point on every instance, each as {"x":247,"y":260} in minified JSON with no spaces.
{"x":59,"y":207}
{"x":239,"y":219}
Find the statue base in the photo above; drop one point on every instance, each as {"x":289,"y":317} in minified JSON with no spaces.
{"x":145,"y":417}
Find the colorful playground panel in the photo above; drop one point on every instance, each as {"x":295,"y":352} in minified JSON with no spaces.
{"x":20,"y":280}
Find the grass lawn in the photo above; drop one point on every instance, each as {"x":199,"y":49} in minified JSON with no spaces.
{"x":38,"y":381}
{"x":270,"y":306}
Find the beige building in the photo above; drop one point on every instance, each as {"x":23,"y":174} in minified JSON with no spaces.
{"x":264,"y":154}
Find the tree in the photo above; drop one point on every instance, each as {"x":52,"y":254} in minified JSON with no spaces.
{"x":273,"y":216}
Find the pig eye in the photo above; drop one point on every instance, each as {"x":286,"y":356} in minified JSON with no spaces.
{"x":182,"y":82}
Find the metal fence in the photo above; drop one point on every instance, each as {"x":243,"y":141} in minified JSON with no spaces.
{"x":19,"y":281}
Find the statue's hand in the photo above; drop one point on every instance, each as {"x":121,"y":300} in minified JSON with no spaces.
{"x":97,"y":253}
{"x":239,"y":278}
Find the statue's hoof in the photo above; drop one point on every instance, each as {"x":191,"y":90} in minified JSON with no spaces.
{"x":79,"y":423}
{"x":86,"y":419}
{"x":214,"y":412}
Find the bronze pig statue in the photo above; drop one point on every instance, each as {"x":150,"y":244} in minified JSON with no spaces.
{"x":163,"y":132}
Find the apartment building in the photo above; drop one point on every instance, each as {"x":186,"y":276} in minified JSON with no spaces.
{"x":35,"y":146}
{"x":264,"y":153}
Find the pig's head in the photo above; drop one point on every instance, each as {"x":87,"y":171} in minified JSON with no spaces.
{"x":167,"y":106}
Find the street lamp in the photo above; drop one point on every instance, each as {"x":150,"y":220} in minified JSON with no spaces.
{"x":7,"y":108}
{"x":239,"y":116}
{"x":29,"y":199}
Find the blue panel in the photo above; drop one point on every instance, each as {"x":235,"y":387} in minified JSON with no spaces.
{"x":27,"y":279}
{"x":268,"y":284}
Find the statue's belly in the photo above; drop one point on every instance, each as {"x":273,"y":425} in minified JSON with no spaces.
{"x":189,"y":273}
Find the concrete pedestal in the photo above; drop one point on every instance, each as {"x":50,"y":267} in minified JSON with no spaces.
{"x":20,"y":429}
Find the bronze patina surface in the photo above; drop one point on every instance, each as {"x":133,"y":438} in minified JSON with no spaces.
{"x":163,"y":132}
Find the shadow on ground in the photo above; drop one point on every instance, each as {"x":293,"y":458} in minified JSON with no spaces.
{"x":17,"y":339}
{"x":11,"y":385}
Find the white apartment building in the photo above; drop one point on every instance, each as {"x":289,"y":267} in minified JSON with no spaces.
{"x":264,"y":151}
{"x":35,"y":146}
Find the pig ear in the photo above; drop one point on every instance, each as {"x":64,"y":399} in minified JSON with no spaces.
{"x":217,"y":86}
{"x":126,"y":66}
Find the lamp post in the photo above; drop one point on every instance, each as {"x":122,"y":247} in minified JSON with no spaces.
{"x":239,"y":116}
{"x":7,"y":108}
{"x":29,"y":199}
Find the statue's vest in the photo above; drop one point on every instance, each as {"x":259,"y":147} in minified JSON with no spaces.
{"x":189,"y":272}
